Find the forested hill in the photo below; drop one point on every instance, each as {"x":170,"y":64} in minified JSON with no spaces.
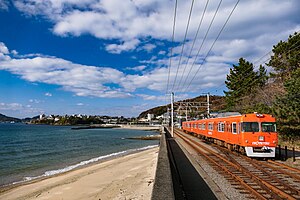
{"x":4,"y":118}
{"x":217,"y":104}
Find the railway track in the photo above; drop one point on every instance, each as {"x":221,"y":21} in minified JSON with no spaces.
{"x":256,"y":179}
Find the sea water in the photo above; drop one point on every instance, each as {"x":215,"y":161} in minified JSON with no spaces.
{"x":32,"y":151}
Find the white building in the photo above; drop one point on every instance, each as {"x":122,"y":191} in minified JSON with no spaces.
{"x":150,"y":116}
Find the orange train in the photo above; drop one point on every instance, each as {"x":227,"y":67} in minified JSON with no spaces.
{"x":255,"y":134}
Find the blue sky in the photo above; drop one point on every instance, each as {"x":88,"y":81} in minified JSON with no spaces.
{"x":111,"y":57}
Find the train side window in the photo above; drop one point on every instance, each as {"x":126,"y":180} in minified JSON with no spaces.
{"x":221,"y":127}
{"x":199,"y":126}
{"x":210,"y":126}
{"x":234,"y":129}
{"x":203,"y":126}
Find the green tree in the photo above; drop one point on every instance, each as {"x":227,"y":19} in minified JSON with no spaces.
{"x":286,"y":58}
{"x":287,"y":107}
{"x":241,"y":81}
{"x":262,"y":76}
{"x":286,"y":65}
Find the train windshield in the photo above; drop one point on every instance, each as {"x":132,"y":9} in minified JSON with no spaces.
{"x":250,"y":127}
{"x":268,"y":127}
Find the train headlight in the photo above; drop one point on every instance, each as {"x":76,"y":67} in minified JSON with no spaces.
{"x":261,"y":138}
{"x":246,"y":141}
{"x":274,"y":142}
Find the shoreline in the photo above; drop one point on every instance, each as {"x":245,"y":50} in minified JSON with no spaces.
{"x":75,"y":166}
{"x":134,"y":160}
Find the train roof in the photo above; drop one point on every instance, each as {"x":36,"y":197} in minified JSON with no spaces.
{"x":244,"y":117}
{"x":228,"y":114}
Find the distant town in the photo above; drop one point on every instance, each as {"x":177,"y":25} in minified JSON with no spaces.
{"x":81,"y":119}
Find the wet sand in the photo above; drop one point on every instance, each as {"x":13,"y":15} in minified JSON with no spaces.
{"x":128,"y":177}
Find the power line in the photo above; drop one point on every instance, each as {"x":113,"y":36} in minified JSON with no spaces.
{"x":183,"y":43}
{"x":213,"y":43}
{"x":270,"y":52}
{"x":211,"y":22}
{"x":195,"y":38}
{"x":289,"y":50}
{"x":171,"y":51}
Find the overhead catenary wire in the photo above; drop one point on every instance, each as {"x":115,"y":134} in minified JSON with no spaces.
{"x":263,"y":62}
{"x":270,"y":53}
{"x":194,"y":41}
{"x":171,"y":50}
{"x":211,"y":22}
{"x":259,"y":89}
{"x":183,"y":43}
{"x":213,"y":44}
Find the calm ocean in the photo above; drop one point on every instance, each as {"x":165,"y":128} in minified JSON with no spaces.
{"x":31,"y":151}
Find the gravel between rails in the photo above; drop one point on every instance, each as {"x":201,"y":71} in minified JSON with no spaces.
{"x":229,"y":191}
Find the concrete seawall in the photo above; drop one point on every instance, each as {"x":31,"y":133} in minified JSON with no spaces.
{"x":163,"y":185}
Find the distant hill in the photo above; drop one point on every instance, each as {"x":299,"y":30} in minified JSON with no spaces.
{"x":4,"y":118}
{"x":28,"y":119}
{"x":217,"y":104}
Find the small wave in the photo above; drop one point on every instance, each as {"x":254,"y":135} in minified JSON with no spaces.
{"x":86,"y":162}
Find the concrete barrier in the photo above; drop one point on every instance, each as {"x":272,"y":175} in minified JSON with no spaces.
{"x":163,"y":186}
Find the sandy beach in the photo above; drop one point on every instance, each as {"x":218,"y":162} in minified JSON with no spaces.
{"x":127,"y":177}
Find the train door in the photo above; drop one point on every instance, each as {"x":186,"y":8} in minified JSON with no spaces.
{"x":239,"y":133}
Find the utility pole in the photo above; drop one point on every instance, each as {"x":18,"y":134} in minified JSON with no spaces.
{"x":208,"y":105}
{"x":172,"y":114}
{"x":186,"y":115}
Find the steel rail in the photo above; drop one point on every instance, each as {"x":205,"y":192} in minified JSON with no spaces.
{"x":292,"y":175}
{"x":274,"y":189}
{"x":258,"y":165}
{"x":285,"y":166}
{"x":196,"y":147}
{"x":271,"y":176}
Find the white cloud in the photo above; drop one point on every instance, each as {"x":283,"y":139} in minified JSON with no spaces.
{"x":10,"y":106}
{"x":134,"y":20}
{"x":4,"y":52}
{"x":82,"y":80}
{"x":136,"y":25}
{"x":19,"y":110}
{"x":3,"y":48}
{"x":30,"y":55}
{"x":125,"y":46}
{"x":14,"y":52}
{"x":249,"y":35}
{"x":161,"y":52}
{"x":35,"y":101}
{"x":4,"y":4}
{"x":80,"y":104}
{"x":153,"y":97}
{"x":137,"y":68}
{"x":149,"y":47}
{"x":48,"y":94}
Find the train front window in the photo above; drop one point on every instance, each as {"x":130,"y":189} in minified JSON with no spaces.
{"x":250,"y":127}
{"x":268,"y":127}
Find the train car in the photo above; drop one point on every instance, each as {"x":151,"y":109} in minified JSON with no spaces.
{"x":254,"y":134}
